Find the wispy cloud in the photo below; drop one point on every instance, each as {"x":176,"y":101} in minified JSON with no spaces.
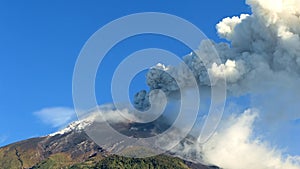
{"x":3,"y":138}
{"x":56,"y":116}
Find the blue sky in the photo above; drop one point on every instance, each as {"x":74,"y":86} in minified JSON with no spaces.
{"x":40,"y":41}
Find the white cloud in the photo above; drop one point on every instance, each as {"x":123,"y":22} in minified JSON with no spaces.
{"x":226,"y":27}
{"x":56,"y":116}
{"x":235,"y":147}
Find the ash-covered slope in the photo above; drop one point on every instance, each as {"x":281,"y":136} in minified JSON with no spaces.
{"x":73,"y":148}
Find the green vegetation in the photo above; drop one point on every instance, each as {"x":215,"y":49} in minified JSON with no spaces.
{"x":119,"y":162}
{"x":57,"y":161}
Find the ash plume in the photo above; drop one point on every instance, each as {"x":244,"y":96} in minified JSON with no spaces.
{"x":261,"y":59}
{"x":263,"y":45}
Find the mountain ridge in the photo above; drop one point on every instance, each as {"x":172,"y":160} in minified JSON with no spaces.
{"x":72,"y":148}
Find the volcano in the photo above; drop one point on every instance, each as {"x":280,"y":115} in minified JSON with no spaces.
{"x":72,"y":148}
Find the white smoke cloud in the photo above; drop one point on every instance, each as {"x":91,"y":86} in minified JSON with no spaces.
{"x":233,"y":147}
{"x":226,"y":27}
{"x":231,"y":69}
{"x":109,"y":113}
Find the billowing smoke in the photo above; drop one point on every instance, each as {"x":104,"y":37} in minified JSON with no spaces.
{"x":262,"y":60}
{"x":263,"y":47}
{"x":234,"y":148}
